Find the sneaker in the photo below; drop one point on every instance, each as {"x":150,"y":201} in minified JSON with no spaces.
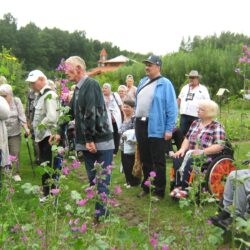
{"x":17,"y":177}
{"x":175,"y":191}
{"x":125,"y":184}
{"x":181,"y":194}
{"x":128,"y":186}
{"x":142,"y":194}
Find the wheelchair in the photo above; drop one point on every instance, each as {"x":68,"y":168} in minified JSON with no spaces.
{"x":215,"y":174}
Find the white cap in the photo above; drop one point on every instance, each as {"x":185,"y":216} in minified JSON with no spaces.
{"x":34,"y":75}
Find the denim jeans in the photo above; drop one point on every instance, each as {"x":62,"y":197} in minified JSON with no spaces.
{"x":105,"y":157}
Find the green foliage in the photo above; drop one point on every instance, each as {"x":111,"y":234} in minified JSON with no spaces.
{"x":11,"y":68}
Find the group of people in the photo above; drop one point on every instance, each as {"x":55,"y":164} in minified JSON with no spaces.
{"x":142,"y":118}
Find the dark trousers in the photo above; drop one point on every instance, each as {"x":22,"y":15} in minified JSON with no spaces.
{"x":185,"y":123}
{"x":128,"y":161}
{"x":116,"y":137}
{"x":105,"y":157}
{"x":45,"y":155}
{"x":152,"y":155}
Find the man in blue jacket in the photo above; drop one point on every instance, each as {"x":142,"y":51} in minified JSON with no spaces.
{"x":156,"y":115}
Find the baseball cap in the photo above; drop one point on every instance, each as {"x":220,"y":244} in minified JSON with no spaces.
{"x":34,"y":75}
{"x":154,"y":60}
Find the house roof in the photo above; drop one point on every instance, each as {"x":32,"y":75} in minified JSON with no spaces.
{"x":117,"y":59}
{"x":103,"y":52}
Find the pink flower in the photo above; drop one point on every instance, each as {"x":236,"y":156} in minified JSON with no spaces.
{"x":12,"y":158}
{"x":83,"y":228}
{"x":65,"y":171}
{"x":81,"y":203}
{"x":39,"y":232}
{"x":75,"y":164}
{"x":152,"y":174}
{"x":12,"y":190}
{"x":117,"y":190}
{"x":164,"y":247}
{"x":55,"y":191}
{"x":90,"y":193}
{"x":147,"y":183}
{"x":153,"y":242}
{"x":243,"y":59}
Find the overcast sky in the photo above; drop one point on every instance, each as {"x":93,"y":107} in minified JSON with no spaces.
{"x":143,"y":26}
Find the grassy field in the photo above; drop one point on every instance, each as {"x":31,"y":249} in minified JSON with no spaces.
{"x":134,"y":222}
{"x":178,"y":227}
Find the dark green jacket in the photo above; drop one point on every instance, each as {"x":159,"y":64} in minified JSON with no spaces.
{"x":91,"y":118}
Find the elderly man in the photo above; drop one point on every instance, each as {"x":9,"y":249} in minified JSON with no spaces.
{"x":156,"y":115}
{"x":46,"y":112}
{"x":94,"y":140}
{"x":188,"y":99}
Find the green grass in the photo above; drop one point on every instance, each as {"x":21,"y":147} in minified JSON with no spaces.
{"x":167,"y":218}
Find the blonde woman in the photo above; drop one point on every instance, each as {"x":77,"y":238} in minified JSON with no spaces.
{"x":14,"y":124}
{"x":206,"y":136}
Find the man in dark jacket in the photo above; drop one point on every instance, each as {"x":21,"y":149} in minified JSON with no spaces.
{"x":94,"y":141}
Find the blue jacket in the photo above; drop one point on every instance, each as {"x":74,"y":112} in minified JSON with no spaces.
{"x":164,"y":111}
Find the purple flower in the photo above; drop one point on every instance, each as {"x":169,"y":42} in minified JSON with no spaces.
{"x":243,"y":59}
{"x":55,"y":191}
{"x":12,"y":158}
{"x":90,"y":194}
{"x":153,"y":242}
{"x":81,"y":202}
{"x":75,"y":164}
{"x":209,"y":222}
{"x":83,"y":228}
{"x":24,"y":238}
{"x":152,"y":174}
{"x":65,"y":170}
{"x":237,"y":70}
{"x":39,"y":232}
{"x":147,"y":183}
{"x":164,"y":247}
{"x":103,"y":197}
{"x":117,"y":190}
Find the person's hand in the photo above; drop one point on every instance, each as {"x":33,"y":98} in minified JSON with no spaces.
{"x":91,"y":147}
{"x":27,"y":133}
{"x":55,"y":138}
{"x":179,"y":153}
{"x":167,"y":136}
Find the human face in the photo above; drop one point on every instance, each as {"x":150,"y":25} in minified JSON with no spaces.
{"x":106,"y":91}
{"x":73,"y":72}
{"x":128,"y":110}
{"x":152,"y":70}
{"x":202,"y":112}
{"x":38,"y":85}
{"x":130,"y":82}
{"x":122,"y":93}
{"x":193,"y":81}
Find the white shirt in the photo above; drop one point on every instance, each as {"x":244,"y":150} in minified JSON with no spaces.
{"x":190,"y":98}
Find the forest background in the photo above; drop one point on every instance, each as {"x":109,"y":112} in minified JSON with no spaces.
{"x":29,"y":47}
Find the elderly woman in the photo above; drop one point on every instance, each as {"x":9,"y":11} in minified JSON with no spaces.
{"x":122,"y":91}
{"x":130,"y":85}
{"x":4,"y":150}
{"x":114,"y":106}
{"x":205,"y":137}
{"x":14,"y":123}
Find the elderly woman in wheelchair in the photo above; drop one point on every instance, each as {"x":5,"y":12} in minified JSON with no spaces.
{"x":206,"y":137}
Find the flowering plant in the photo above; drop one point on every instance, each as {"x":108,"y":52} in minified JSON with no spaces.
{"x":243,"y":68}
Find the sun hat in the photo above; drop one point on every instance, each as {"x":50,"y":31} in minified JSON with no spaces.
{"x":6,"y":89}
{"x":154,"y":60}
{"x":193,"y":73}
{"x":34,"y":75}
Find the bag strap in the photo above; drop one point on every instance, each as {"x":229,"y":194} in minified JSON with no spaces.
{"x":115,"y":99}
{"x":152,"y":80}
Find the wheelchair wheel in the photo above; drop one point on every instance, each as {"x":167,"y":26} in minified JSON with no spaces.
{"x":216,"y":174}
